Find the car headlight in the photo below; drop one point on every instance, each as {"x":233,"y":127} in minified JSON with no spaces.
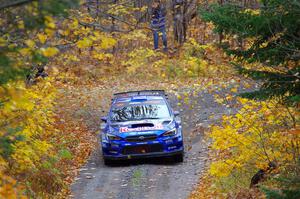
{"x":112,"y":137}
{"x":172,"y":132}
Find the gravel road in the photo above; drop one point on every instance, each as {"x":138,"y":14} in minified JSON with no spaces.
{"x":159,"y":177}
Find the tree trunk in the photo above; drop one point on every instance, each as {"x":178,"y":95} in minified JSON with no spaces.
{"x":183,"y":12}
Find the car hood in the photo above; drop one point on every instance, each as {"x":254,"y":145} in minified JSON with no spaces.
{"x":141,"y":127}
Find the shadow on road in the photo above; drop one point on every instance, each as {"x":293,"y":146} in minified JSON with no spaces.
{"x":132,"y":162}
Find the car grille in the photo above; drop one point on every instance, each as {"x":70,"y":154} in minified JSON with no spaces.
{"x":141,"y":138}
{"x":142,"y":149}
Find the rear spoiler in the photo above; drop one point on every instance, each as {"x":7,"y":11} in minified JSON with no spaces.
{"x":142,"y":92}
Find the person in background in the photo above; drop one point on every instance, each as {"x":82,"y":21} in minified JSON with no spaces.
{"x":158,"y":24}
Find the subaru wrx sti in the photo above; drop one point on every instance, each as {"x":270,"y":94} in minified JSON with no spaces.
{"x":141,"y":124}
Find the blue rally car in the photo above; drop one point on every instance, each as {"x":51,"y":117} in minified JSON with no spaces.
{"x":141,"y":124}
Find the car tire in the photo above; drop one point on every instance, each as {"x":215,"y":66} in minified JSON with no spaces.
{"x":178,"y":158}
{"x":98,"y":155}
{"x":108,"y":162}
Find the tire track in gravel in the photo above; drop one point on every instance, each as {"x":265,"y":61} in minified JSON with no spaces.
{"x":155,"y":177}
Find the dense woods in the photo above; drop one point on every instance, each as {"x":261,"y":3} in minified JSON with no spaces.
{"x":60,"y":62}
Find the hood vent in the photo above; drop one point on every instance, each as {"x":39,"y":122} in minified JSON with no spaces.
{"x":166,"y":122}
{"x":142,"y":125}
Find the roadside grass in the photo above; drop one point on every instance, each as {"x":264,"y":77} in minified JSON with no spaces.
{"x":136,"y":179}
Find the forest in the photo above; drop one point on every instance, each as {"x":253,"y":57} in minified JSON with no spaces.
{"x":232,"y":68}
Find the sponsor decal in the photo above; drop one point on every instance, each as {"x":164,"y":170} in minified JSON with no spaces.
{"x":134,"y":103}
{"x":155,"y":102}
{"x":119,"y":104}
{"x":139,"y":97}
{"x":146,"y":128}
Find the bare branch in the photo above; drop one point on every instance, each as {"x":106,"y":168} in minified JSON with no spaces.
{"x":9,"y":3}
{"x":102,"y":28}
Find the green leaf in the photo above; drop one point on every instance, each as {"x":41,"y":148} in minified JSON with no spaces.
{"x":65,"y":154}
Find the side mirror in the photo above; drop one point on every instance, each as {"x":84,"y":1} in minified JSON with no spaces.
{"x":102,"y":127}
{"x":178,"y":123}
{"x":104,"y":119}
{"x":176,"y":113}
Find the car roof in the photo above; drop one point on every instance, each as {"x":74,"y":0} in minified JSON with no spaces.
{"x":140,"y":98}
{"x":140,"y":93}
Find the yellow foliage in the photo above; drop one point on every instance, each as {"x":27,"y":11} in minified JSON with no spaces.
{"x":25,"y":51}
{"x":74,"y":24}
{"x":135,"y":35}
{"x":86,"y":42}
{"x":71,"y":57}
{"x":21,"y":24}
{"x":251,"y":11}
{"x":108,"y":42}
{"x":2,"y":42}
{"x":49,"y":52}
{"x":64,"y":32}
{"x":30,"y":43}
{"x":42,"y":38}
{"x":220,"y":169}
{"x":50,"y":23}
{"x":253,"y":137}
{"x":50,"y":32}
{"x":118,"y":10}
{"x":102,"y":56}
{"x":234,"y":90}
{"x":138,"y":58}
{"x":26,"y":120}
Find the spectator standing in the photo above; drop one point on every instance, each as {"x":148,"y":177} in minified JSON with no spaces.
{"x":158,"y":24}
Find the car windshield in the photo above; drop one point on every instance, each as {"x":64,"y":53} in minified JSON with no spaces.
{"x":122,"y":112}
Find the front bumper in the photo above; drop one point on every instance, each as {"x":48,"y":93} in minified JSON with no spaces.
{"x":145,"y":155}
{"x":131,"y":150}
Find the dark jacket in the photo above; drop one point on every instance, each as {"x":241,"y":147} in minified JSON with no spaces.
{"x":158,"y":18}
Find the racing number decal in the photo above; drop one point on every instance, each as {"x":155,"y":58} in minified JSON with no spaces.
{"x":126,"y":129}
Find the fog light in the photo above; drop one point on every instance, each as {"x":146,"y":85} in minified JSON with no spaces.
{"x":104,"y":145}
{"x":172,"y":147}
{"x":169,"y":141}
{"x":114,"y":145}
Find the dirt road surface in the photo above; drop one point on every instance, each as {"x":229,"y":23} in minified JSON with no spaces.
{"x":156,"y":177}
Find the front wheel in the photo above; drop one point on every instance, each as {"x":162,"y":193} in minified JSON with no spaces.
{"x":178,"y":158}
{"x":108,"y":162}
